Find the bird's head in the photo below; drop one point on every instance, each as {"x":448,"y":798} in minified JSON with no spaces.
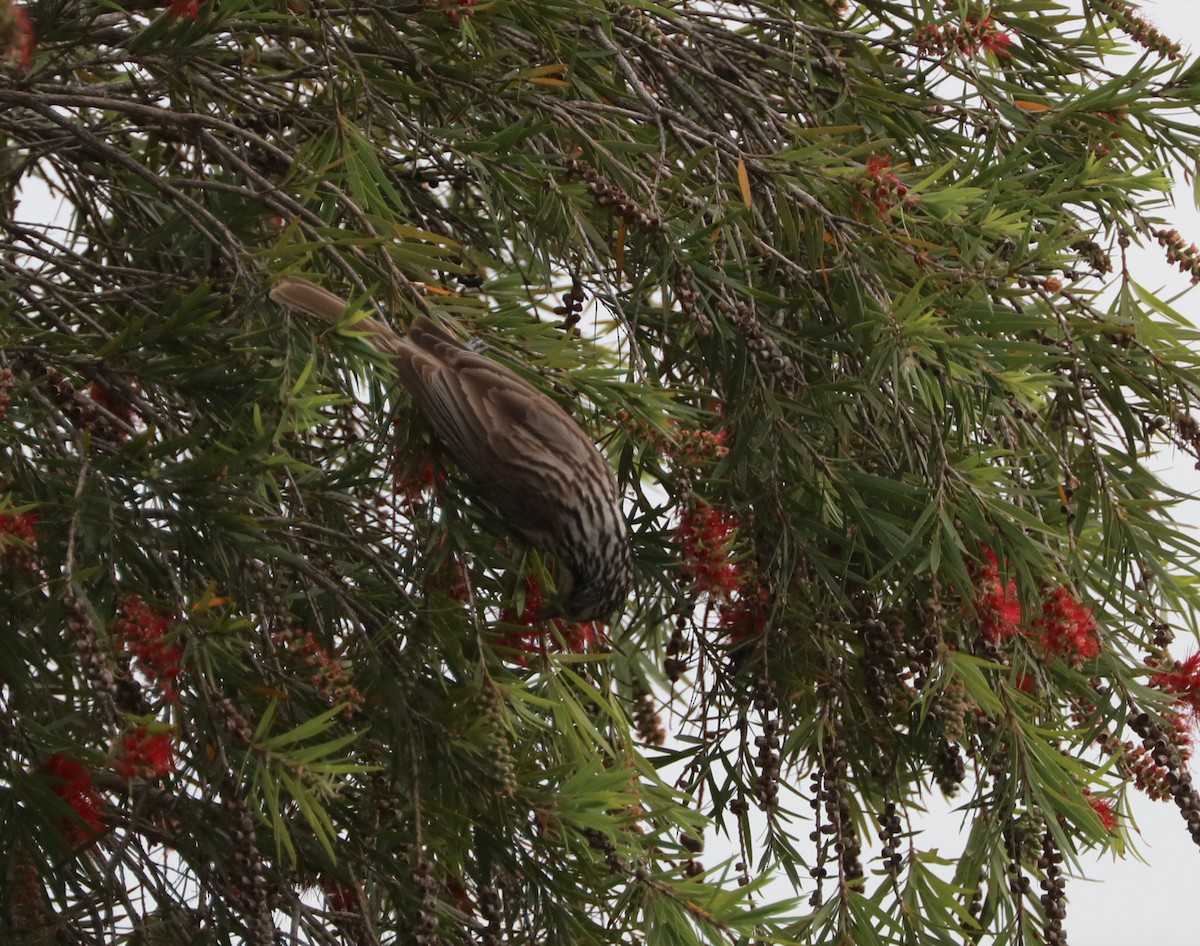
{"x":593,"y":589}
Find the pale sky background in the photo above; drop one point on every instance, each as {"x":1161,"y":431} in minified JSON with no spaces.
{"x":1129,"y":900}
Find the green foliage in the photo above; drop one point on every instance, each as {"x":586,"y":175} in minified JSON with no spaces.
{"x":841,"y":289}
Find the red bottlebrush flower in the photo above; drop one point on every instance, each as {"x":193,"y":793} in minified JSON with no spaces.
{"x":705,"y":535}
{"x":531,"y":608}
{"x":996,"y":41}
{"x":1182,"y":681}
{"x":141,"y":755}
{"x":184,"y":10}
{"x":451,"y":580}
{"x":414,"y":477}
{"x":968,"y":39}
{"x":877,"y":164}
{"x":1067,"y":628}
{"x":144,"y":633}
{"x":997,"y":602}
{"x":20,"y":526}
{"x":460,"y":10}
{"x":745,"y":618}
{"x":16,"y":35}
{"x":340,"y":897}
{"x":74,"y":786}
{"x":1103,"y":808}
{"x":110,"y":402}
{"x":884,"y":189}
{"x":577,"y":637}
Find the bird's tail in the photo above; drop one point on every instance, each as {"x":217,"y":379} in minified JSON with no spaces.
{"x":308,"y":297}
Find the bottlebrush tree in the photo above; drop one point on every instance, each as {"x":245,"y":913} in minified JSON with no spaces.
{"x":842,"y":290}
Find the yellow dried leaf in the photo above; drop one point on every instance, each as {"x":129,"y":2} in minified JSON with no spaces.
{"x":554,"y":68}
{"x":744,"y":181}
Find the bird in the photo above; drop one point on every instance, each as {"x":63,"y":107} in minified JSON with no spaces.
{"x":526,"y":456}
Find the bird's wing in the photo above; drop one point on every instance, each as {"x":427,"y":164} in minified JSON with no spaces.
{"x":501,"y":429}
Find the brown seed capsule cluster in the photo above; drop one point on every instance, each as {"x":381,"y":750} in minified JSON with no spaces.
{"x":879,"y":663}
{"x":766,"y":784}
{"x":1094,"y":255}
{"x":949,"y":769}
{"x":608,"y":194}
{"x":84,"y":413}
{"x":1135,"y":761}
{"x":834,"y":822}
{"x":7,"y":384}
{"x":646,"y":720}
{"x":950,"y":705}
{"x":688,"y":297}
{"x":247,"y":882}
{"x":1019,"y":841}
{"x":491,"y":915}
{"x":640,"y":24}
{"x":599,"y":841}
{"x":425,"y":929}
{"x":229,"y":718}
{"x":1053,"y":897}
{"x":693,"y":845}
{"x":770,"y":357}
{"x":768,"y":763}
{"x":889,"y":835}
{"x":975,"y":906}
{"x":1188,"y":429}
{"x":1180,"y":253}
{"x":674,"y":665}
{"x":129,"y":697}
{"x":572,"y":304}
{"x":1139,"y":29}
{"x":1165,"y":753}
{"x":92,"y":656}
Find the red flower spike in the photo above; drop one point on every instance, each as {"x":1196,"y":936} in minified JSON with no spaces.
{"x":877,"y":164}
{"x":745,"y":618}
{"x":74,"y":786}
{"x":16,"y":36}
{"x":1067,"y":628}
{"x":1103,"y":808}
{"x":184,"y":10}
{"x":969,"y":38}
{"x":705,"y":535}
{"x":340,"y":897}
{"x":110,"y":402}
{"x":997,"y":602}
{"x":1183,"y":682}
{"x":141,"y":755}
{"x":577,"y":638}
{"x":144,"y":634}
{"x":20,"y":526}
